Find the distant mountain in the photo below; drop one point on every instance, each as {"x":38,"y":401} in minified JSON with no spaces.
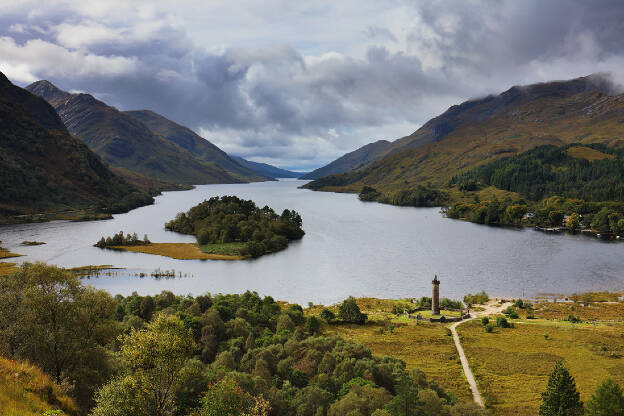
{"x":266,"y":169}
{"x":197,"y":145}
{"x":43,"y":168}
{"x":353,"y":160}
{"x":585,"y":110}
{"x":125,"y":142}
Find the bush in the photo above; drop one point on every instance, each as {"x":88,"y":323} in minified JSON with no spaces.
{"x":502,"y":322}
{"x":485,"y":320}
{"x":479,"y":298}
{"x":489,"y":328}
{"x":327,"y":315}
{"x":573,"y":319}
{"x":350,"y":312}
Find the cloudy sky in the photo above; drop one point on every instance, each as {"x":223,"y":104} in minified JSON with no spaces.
{"x":299,"y":83}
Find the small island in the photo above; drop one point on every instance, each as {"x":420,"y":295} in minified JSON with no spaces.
{"x":232,"y":226}
{"x":227,"y":228}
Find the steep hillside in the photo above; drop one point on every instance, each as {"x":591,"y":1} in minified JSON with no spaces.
{"x":353,"y":160}
{"x":26,"y":391}
{"x":44,"y":168}
{"x":123,"y":141}
{"x":480,"y":131}
{"x":197,"y":145}
{"x":266,"y":169}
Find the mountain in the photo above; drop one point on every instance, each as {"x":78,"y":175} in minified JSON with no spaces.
{"x":353,"y":160}
{"x":266,"y":169}
{"x":44,"y":168}
{"x":125,"y":142}
{"x":197,"y":145}
{"x":584,"y":110}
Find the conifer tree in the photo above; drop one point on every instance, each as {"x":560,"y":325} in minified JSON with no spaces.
{"x":608,"y":400}
{"x":561,"y":397}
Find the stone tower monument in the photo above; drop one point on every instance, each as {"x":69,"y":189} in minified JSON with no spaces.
{"x":435,"y":297}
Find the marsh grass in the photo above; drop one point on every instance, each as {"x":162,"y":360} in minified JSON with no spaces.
{"x":181,"y":251}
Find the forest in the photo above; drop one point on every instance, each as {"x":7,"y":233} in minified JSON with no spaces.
{"x":229,"y":219}
{"x":207,"y":355}
{"x":572,"y":186}
{"x":546,"y":171}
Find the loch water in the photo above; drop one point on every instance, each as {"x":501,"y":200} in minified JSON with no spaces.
{"x":350,"y":248}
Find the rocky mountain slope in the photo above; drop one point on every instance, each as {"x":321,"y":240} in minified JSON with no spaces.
{"x":125,"y":142}
{"x":584,"y":110}
{"x":43,"y":168}
{"x":194,"y":143}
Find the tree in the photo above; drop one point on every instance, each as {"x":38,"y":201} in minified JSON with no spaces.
{"x":155,"y":357}
{"x":573,"y":222}
{"x":350,"y":312}
{"x":49,"y":318}
{"x":561,"y":397}
{"x":227,"y":398}
{"x":608,"y":400}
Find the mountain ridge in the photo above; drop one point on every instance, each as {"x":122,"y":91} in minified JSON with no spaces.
{"x":478,"y":131}
{"x":44,"y":168}
{"x":125,"y":142}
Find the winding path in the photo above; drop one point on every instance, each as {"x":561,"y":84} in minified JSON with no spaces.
{"x":490,"y":309}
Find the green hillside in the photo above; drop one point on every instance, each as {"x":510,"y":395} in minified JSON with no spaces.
{"x":44,"y":169}
{"x":125,"y":142}
{"x":477,"y":132}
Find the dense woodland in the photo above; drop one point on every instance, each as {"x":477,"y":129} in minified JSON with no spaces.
{"x":229,"y":219}
{"x":571,"y":192}
{"x":547,"y":171}
{"x":204,"y":355}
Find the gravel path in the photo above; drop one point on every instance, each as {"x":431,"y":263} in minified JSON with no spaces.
{"x":491,"y":308}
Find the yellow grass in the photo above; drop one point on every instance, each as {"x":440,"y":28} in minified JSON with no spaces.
{"x":7,"y":268}
{"x":180,"y":251}
{"x":582,"y":152}
{"x":5,"y":254}
{"x":26,"y":391}
{"x":596,"y":311}
{"x":512,"y":365}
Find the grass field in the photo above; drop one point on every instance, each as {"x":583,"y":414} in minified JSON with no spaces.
{"x":26,"y":391}
{"x":512,"y":365}
{"x":230,"y":249}
{"x":7,"y":268}
{"x":181,"y":251}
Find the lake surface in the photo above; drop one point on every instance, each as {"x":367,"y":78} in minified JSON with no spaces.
{"x":350,"y":248}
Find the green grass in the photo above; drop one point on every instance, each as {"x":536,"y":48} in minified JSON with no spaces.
{"x":228,"y":249}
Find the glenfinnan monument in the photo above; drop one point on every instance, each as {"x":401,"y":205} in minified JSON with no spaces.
{"x":435,"y":297}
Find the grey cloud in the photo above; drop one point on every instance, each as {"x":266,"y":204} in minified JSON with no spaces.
{"x":274,"y":102}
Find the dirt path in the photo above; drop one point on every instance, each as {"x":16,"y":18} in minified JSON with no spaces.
{"x":491,"y":308}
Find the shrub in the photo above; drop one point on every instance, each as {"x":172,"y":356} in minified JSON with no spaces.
{"x":489,"y":328}
{"x":502,"y":322}
{"x":485,"y":320}
{"x":479,"y":298}
{"x":327,"y":315}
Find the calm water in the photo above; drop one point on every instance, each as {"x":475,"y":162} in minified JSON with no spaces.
{"x":350,"y":248}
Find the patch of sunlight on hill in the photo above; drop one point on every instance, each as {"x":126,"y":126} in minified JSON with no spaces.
{"x":26,"y":391}
{"x":582,"y":152}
